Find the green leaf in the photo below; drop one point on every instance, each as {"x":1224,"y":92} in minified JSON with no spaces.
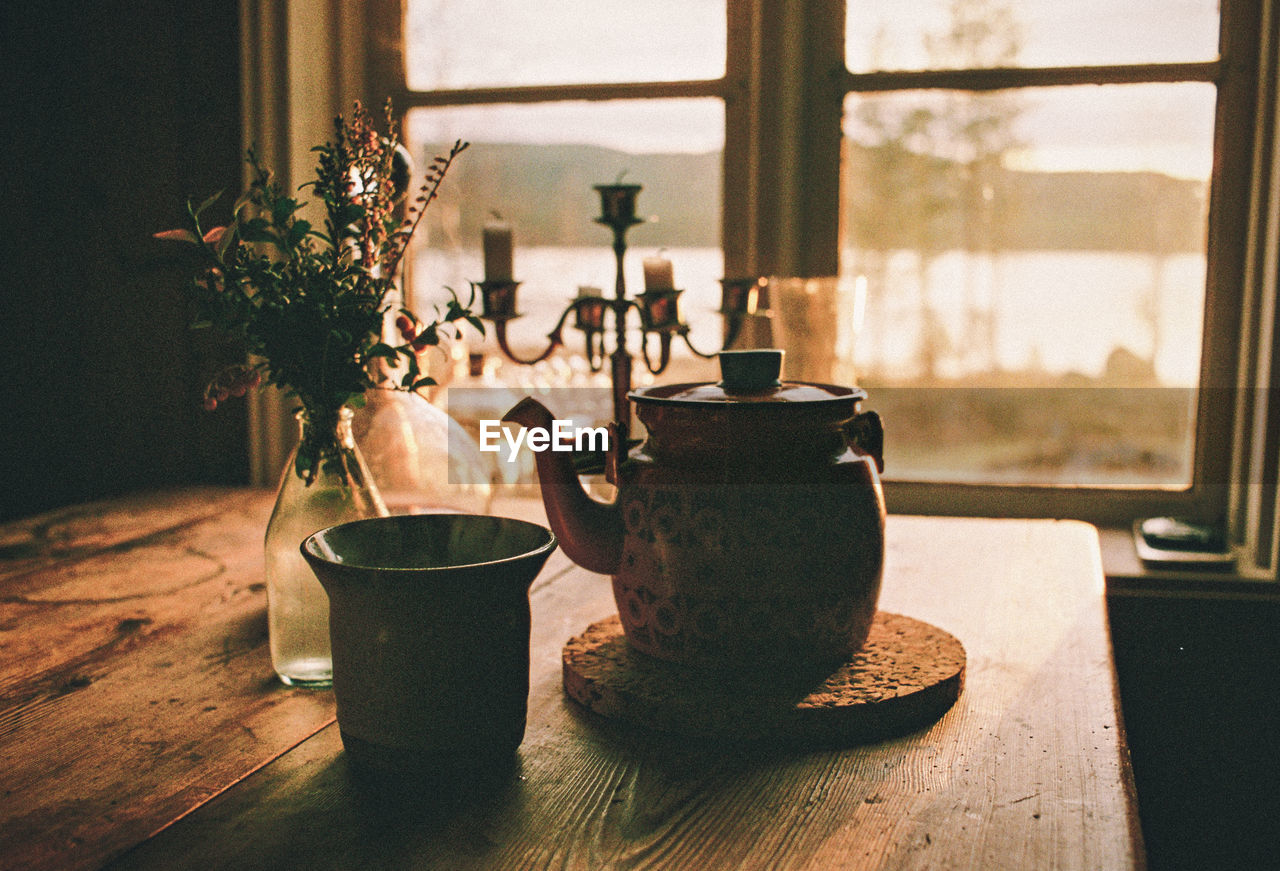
{"x":256,"y":230}
{"x":298,"y":232}
{"x":350,"y":213}
{"x":207,"y":203}
{"x":241,"y":201}
{"x":228,"y":239}
{"x":282,"y":209}
{"x":424,"y":382}
{"x":323,"y":237}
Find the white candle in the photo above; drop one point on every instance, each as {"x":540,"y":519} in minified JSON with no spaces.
{"x":658,"y":274}
{"x":498,"y":251}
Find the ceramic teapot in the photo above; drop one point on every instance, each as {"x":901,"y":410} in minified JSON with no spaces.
{"x":748,"y":528}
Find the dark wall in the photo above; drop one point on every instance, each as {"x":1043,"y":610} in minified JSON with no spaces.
{"x":114,"y":114}
{"x":1200,"y":690}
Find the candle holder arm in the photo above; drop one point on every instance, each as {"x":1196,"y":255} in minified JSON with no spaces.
{"x":555,"y":338}
{"x":500,"y":332}
{"x":664,"y":354}
{"x":734,"y":327}
{"x":593,"y":342}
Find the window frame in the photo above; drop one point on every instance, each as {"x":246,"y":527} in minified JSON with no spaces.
{"x":784,"y":89}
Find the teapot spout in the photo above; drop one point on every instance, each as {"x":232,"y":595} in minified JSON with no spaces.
{"x":589,"y":531}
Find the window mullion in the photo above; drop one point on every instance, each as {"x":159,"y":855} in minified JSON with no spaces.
{"x":999,"y":78}
{"x":739,"y":168}
{"x":1253,"y":500}
{"x":550,"y":93}
{"x":797,"y":135}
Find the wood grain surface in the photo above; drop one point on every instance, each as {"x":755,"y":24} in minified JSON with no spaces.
{"x":134,"y":677}
{"x":1027,"y":770}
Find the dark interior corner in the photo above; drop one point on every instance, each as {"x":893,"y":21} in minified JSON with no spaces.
{"x":114,"y":116}
{"x":1200,"y":690}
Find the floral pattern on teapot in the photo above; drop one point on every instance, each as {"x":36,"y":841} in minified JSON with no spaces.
{"x":692,"y":587}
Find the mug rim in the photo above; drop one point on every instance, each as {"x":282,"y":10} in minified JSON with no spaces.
{"x":308,"y":544}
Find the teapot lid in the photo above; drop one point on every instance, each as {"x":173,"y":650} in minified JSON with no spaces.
{"x":749,"y":377}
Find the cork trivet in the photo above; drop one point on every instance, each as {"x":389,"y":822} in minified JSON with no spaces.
{"x":906,"y":676}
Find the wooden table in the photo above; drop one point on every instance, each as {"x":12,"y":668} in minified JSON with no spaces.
{"x":141,"y":725}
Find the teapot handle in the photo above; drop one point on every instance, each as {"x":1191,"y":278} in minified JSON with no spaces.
{"x":865,"y":433}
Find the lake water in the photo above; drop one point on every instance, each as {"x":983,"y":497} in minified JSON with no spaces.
{"x":1044,"y":311}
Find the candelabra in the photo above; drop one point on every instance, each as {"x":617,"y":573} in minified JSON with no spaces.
{"x":659,"y":310}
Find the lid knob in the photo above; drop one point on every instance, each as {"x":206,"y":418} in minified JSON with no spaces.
{"x":753,"y":371}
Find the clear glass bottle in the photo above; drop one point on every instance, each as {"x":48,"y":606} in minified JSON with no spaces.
{"x":422,"y":460}
{"x":297,"y":606}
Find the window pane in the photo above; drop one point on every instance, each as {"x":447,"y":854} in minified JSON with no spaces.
{"x":536,"y":165}
{"x":479,"y":43}
{"x":956,"y":34}
{"x":1042,"y":239}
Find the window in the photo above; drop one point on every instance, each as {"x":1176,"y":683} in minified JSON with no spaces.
{"x":1037,"y":297}
{"x":534,"y":166}
{"x":1040,"y":211}
{"x":554,"y":99}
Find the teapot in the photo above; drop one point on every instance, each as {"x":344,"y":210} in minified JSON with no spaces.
{"x":748,"y":527}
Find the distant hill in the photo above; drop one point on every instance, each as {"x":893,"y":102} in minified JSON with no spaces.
{"x":546,"y":193}
{"x":902,"y":200}
{"x":1104,"y":211}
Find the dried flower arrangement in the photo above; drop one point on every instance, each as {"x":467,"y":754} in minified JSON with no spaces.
{"x":308,"y":304}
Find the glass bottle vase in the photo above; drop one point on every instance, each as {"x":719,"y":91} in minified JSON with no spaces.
{"x":422,"y":459}
{"x":338,"y":488}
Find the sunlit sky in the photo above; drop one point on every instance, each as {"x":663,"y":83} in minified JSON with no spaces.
{"x":494,"y":42}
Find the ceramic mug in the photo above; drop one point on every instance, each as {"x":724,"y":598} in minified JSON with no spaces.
{"x":429,"y":618}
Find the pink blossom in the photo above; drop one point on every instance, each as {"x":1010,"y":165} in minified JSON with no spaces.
{"x":175,"y":235}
